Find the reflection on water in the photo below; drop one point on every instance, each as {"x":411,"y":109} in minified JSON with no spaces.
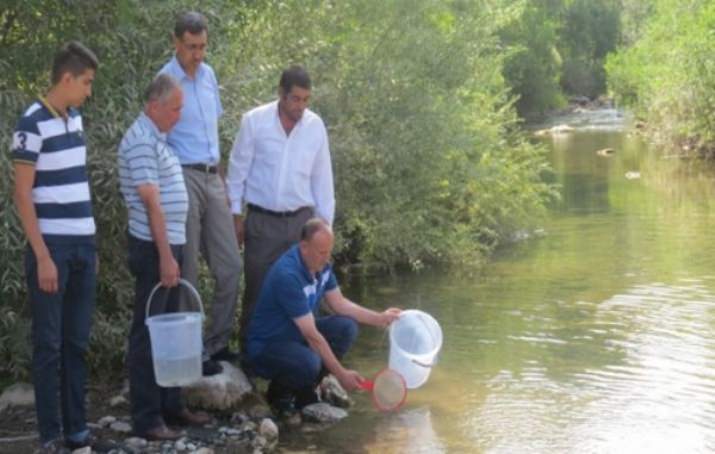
{"x":595,"y":337}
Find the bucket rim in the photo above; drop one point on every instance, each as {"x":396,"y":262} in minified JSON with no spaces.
{"x":160,"y":318}
{"x":440,"y":339}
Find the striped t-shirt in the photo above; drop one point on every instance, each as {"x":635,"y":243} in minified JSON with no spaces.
{"x":145,"y":158}
{"x":55,"y":146}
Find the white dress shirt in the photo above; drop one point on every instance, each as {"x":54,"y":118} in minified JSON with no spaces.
{"x":281,"y":172}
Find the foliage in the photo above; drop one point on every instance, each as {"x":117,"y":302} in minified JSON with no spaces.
{"x":668,"y":74}
{"x":430,"y":167}
{"x":558,"y":47}
{"x":534,"y":63}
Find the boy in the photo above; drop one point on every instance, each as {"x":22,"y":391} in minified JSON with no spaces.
{"x":53,"y":202}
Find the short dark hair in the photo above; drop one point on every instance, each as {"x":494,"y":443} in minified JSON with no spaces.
{"x":313,"y":226}
{"x":160,"y":88}
{"x":73,"y":58}
{"x":295,"y":76}
{"x":192,"y":22}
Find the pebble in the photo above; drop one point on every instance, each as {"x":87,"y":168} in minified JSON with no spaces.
{"x":117,"y":401}
{"x":136,"y":442}
{"x":268,"y":429}
{"x":180,"y":445}
{"x":121,"y":426}
{"x":106,"y":421}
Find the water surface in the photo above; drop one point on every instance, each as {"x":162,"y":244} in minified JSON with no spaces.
{"x":594,"y":336}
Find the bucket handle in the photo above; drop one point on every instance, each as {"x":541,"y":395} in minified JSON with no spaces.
{"x":421,"y":364}
{"x":183,"y":282}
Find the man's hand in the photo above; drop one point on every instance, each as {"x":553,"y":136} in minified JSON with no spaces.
{"x":240,"y":231}
{"x":389,"y":315}
{"x":169,"y":271}
{"x":350,"y":379}
{"x":47,"y":275}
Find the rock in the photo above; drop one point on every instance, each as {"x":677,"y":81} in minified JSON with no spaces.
{"x":17,"y":395}
{"x":85,"y":450}
{"x":259,"y":445}
{"x":120,"y":426}
{"x":580,"y":100}
{"x":106,"y":421}
{"x":117,"y":401}
{"x":180,"y":445}
{"x":561,"y":129}
{"x":323,"y":412}
{"x":203,"y":451}
{"x":219,"y":392}
{"x":334,"y":394}
{"x":136,"y":442}
{"x":633,"y":175}
{"x":605,"y":152}
{"x":259,"y":411}
{"x":268,"y":429}
{"x":239,"y":418}
{"x":292,"y":419}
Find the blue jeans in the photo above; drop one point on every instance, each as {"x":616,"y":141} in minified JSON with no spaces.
{"x":294,"y":365}
{"x":149,"y":402}
{"x":61,"y":323}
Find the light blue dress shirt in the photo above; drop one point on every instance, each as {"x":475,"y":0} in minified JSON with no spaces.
{"x":194,"y":138}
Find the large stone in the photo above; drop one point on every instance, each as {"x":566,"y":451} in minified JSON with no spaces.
{"x":17,"y":395}
{"x":121,"y":426}
{"x":334,"y":394}
{"x":219,"y":392}
{"x":323,"y":413}
{"x":268,"y":429}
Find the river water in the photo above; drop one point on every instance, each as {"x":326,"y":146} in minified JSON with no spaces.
{"x":593,"y":335}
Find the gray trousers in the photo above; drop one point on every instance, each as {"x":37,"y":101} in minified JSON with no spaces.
{"x":210,"y":231}
{"x":267,"y":237}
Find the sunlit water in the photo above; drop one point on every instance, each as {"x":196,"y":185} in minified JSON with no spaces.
{"x":596,"y":336}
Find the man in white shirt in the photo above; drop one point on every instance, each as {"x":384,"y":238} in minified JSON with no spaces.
{"x":280,"y":169}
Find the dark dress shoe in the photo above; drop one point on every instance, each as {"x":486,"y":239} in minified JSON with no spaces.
{"x":161,"y":433}
{"x":189,"y":418}
{"x":226,"y":355}
{"x":210,"y":367}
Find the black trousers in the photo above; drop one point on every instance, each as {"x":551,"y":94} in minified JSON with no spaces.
{"x":150,"y":403}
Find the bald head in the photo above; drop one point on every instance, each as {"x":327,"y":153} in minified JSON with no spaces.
{"x":316,"y":244}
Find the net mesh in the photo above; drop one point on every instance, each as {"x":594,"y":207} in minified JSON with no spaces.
{"x":389,"y":390}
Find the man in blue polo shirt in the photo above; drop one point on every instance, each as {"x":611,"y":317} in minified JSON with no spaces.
{"x":209,"y":225}
{"x":287,"y":342}
{"x":54,"y":204}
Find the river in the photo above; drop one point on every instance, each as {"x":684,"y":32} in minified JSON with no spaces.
{"x":595,"y":334}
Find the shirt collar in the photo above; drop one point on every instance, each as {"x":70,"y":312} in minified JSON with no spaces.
{"x":179,"y":72}
{"x":147,"y":122}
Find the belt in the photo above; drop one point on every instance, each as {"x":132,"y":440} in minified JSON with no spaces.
{"x":206,"y":168}
{"x":278,"y":214}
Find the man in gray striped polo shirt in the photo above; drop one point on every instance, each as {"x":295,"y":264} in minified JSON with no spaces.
{"x":153,"y":187}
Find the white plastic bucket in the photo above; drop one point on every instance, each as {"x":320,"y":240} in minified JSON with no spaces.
{"x":176,"y":342}
{"x":415,"y":341}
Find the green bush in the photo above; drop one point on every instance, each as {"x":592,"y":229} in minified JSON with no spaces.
{"x":430,"y":167}
{"x":668,"y":73}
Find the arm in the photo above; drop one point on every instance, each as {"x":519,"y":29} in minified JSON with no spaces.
{"x":46,"y":269}
{"x":349,"y":379}
{"x":322,"y":182}
{"x":168,"y":268}
{"x":344,"y":306}
{"x":240,"y":162}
